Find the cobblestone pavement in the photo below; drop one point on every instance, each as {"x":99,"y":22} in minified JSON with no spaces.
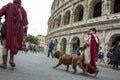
{"x":31,"y":66}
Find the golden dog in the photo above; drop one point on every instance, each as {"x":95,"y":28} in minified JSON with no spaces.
{"x":25,"y":49}
{"x":69,"y":59}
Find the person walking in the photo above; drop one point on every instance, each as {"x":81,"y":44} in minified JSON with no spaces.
{"x":34,"y":48}
{"x":116,"y":56}
{"x":101,"y":55}
{"x":90,"y":49}
{"x":51,"y":47}
{"x":80,"y":51}
{"x":16,"y":29}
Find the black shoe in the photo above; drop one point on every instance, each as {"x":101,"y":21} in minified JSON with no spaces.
{"x":96,"y":72}
{"x":113,"y":68}
{"x":117,"y":69}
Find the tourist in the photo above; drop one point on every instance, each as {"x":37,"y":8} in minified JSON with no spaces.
{"x":51,"y":47}
{"x":101,"y":55}
{"x":116,"y":56}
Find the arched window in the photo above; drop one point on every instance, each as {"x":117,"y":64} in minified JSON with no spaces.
{"x":53,"y":24}
{"x":117,"y":6}
{"x":49,"y":27}
{"x":56,"y":44}
{"x":78,"y":13}
{"x":62,"y":1}
{"x":63,"y":45}
{"x":97,"y":9}
{"x":59,"y":20}
{"x":67,"y":18}
{"x":58,"y":3}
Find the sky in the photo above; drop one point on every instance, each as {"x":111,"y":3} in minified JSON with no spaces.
{"x":38,"y":12}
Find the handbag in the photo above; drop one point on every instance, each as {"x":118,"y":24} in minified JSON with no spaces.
{"x":3,"y":29}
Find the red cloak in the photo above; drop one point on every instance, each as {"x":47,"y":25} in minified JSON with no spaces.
{"x":14,"y":24}
{"x":93,"y":50}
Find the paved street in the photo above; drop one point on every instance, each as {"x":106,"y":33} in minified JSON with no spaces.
{"x":39,"y":67}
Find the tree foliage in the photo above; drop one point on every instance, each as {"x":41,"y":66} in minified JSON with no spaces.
{"x":31,"y":39}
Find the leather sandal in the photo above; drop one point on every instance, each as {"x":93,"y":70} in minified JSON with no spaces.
{"x":12,"y":64}
{"x":96,"y":72}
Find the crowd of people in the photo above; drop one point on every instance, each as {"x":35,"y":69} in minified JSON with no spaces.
{"x":114,"y":56}
{"x":31,"y":47}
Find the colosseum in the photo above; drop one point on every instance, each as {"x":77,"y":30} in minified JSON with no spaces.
{"x":70,"y":20}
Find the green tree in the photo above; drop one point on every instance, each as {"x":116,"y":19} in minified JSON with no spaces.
{"x":31,"y":39}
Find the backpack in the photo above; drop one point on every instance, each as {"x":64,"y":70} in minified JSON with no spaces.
{"x":3,"y":29}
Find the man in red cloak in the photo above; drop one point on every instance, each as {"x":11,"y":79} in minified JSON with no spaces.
{"x":90,"y":48}
{"x":16,"y":29}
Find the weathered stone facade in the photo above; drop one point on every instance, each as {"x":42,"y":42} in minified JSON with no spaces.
{"x":41,"y":43}
{"x":71,"y":19}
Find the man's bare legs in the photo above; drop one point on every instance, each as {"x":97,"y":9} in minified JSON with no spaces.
{"x":4,"y":55}
{"x":11,"y":61}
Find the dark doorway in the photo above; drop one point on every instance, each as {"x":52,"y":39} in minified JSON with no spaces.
{"x":115,"y":40}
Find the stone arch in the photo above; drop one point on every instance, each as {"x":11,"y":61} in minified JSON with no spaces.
{"x":56,"y":44}
{"x":78,"y":13}
{"x":116,"y":6}
{"x":53,"y":6}
{"x":62,"y":1}
{"x":97,"y":9}
{"x":59,"y":20}
{"x":49,"y":28}
{"x":58,"y":3}
{"x":75,"y":38}
{"x":114,"y":39}
{"x":54,"y":23}
{"x":66,"y":18}
{"x":63,"y":44}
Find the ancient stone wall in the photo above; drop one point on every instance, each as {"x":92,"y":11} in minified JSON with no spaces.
{"x":71,"y":19}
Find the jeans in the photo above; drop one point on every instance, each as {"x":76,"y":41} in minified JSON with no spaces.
{"x":115,"y":65}
{"x":50,"y":52}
